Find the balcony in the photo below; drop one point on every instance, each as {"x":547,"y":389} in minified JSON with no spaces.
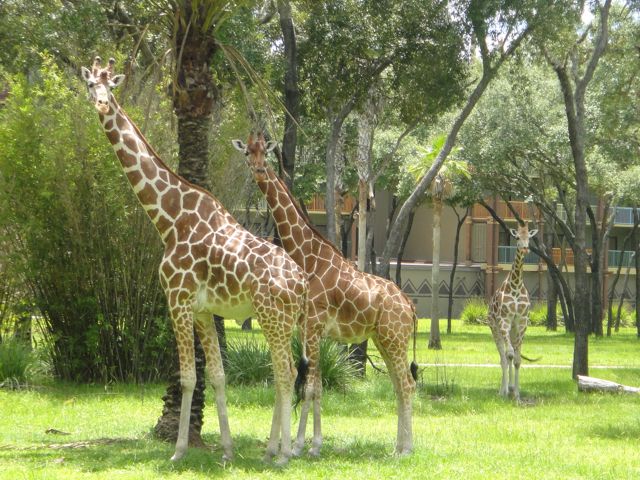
{"x":616,"y":258}
{"x":623,"y":216}
{"x":504,"y":212}
{"x":317,"y":205}
{"x":508,"y":254}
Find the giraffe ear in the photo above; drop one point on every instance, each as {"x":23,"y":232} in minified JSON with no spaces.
{"x":532,"y":233}
{"x":270,"y":146}
{"x":239,"y":145}
{"x":116,"y":81}
{"x":514,"y":233}
{"x":86,"y":74}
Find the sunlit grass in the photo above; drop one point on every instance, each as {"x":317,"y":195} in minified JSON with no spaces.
{"x":462,"y":429}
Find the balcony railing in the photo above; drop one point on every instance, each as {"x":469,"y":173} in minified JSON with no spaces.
{"x":616,"y":257}
{"x":508,"y":254}
{"x":317,"y":204}
{"x":623,"y":216}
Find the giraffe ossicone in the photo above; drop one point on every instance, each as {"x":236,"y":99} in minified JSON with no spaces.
{"x":509,"y":315}
{"x":344,"y":303}
{"x":211,"y":265}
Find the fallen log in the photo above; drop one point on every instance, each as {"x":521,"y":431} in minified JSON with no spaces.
{"x":591,"y":384}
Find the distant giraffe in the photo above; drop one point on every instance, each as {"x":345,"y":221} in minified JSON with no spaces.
{"x":344,"y":303}
{"x":211,"y":265}
{"x":509,"y":315}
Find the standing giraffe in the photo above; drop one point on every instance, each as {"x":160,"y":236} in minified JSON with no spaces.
{"x":211,"y":265}
{"x":344,"y":303}
{"x":509,"y":315}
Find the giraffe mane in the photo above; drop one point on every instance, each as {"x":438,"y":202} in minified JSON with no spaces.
{"x":162,"y":162}
{"x":306,"y":219}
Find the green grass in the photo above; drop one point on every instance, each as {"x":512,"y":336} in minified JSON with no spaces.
{"x":462,"y":429}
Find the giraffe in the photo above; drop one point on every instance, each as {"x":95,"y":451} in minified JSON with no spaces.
{"x":509,"y":315}
{"x":211,"y":265}
{"x":344,"y":303}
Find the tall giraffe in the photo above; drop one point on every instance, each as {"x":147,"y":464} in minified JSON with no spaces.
{"x":344,"y":303}
{"x":509,"y":315}
{"x":211,"y":265}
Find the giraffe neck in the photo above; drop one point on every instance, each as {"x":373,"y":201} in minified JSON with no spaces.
{"x":299,"y":238}
{"x":515,"y":276}
{"x":160,"y":191}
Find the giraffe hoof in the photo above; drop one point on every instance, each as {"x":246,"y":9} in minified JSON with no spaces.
{"x":177,"y":456}
{"x":268,"y":457}
{"x":227,"y":457}
{"x":314,"y":452}
{"x":296,"y":451}
{"x":281,"y":461}
{"x":403,"y":453}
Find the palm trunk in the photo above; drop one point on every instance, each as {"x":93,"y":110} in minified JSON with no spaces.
{"x":291,"y":92}
{"x":456,"y":251}
{"x":434,"y":333}
{"x":195,"y":96}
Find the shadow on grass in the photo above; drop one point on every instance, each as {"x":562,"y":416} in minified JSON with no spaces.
{"x":99,"y":455}
{"x":616,"y":431}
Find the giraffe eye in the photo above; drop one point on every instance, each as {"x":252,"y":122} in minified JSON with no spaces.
{"x":91,"y":84}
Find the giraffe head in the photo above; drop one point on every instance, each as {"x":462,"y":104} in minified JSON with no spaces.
{"x":100,"y":82}
{"x":522,"y":235}
{"x":256,"y":151}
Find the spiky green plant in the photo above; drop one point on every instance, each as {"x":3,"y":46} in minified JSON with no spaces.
{"x":475,"y":311}
{"x":15,"y":360}
{"x":338,"y":372}
{"x":248,"y":362}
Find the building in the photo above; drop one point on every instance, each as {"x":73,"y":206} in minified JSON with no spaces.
{"x":486,"y":252}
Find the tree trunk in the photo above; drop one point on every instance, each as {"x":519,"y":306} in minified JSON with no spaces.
{"x":291,"y":91}
{"x":596,"y":278}
{"x":366,"y":127}
{"x":405,"y":238}
{"x":637,"y":265}
{"x":456,"y":249}
{"x":398,"y":227}
{"x":616,"y":278}
{"x":434,"y":333}
{"x":552,"y":291}
{"x":194,"y":97}
{"x":574,"y":101}
{"x":621,"y":302}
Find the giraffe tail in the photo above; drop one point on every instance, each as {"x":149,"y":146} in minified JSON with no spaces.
{"x":530,"y":359}
{"x":413,"y":368}
{"x":303,"y":364}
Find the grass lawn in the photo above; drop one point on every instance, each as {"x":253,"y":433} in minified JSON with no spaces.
{"x":461,"y":428}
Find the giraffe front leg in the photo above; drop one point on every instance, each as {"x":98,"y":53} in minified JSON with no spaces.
{"x":215,"y":374}
{"x":517,"y":360}
{"x":504,"y":365}
{"x":274,"y":435}
{"x":183,"y":328}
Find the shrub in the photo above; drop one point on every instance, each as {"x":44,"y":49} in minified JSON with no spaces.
{"x":249,"y":363}
{"x":538,"y":314}
{"x":338,"y":371}
{"x":627,"y":315}
{"x":15,"y":359}
{"x":475,"y":311}
{"x":78,"y":240}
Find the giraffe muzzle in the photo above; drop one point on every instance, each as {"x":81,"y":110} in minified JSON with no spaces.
{"x":102,"y":106}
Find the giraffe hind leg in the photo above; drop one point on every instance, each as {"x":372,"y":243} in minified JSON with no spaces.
{"x":394,"y":356}
{"x":215,"y":374}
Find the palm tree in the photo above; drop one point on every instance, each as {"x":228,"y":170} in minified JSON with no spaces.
{"x":192,"y":27}
{"x":440,"y":190}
